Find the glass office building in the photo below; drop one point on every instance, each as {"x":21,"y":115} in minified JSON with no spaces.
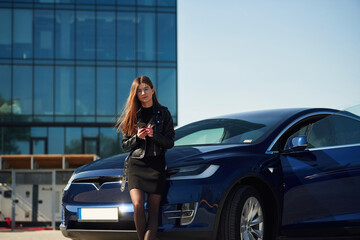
{"x":66,"y":67}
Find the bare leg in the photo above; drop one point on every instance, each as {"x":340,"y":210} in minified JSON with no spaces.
{"x":153,"y":213}
{"x":137,"y":198}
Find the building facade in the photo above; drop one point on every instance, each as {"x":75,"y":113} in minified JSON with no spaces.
{"x":66,"y":67}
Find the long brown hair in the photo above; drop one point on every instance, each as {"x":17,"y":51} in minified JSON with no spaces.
{"x":128,"y":118}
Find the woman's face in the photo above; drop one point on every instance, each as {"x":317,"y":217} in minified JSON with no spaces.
{"x":144,"y":94}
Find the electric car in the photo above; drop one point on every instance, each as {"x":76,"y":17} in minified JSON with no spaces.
{"x":282,"y":173}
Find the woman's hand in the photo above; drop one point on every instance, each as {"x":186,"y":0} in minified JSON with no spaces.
{"x":149,"y":131}
{"x":142,"y":133}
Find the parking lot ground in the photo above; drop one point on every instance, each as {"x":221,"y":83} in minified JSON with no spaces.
{"x":32,"y":235}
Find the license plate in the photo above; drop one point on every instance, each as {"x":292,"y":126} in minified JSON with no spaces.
{"x":110,"y":214}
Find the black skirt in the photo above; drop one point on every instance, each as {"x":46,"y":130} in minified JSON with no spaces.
{"x":147,"y":174}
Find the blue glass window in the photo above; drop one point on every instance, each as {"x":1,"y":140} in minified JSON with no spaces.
{"x":44,"y":34}
{"x":106,"y":2}
{"x":126,"y":2}
{"x":105,"y":91}
{"x":64,"y":91}
{"x":108,"y":142}
{"x":73,"y":140}
{"x":5,"y":91}
{"x":90,"y":132}
{"x":167,"y":88}
{"x":170,"y":3}
{"x":105,"y":35}
{"x":85,"y":35}
{"x":38,"y":132}
{"x":146,"y":2}
{"x":43,"y":90}
{"x":85,"y":91}
{"x":5,"y":33}
{"x":125,"y":77}
{"x":65,"y":32}
{"x":56,"y":140}
{"x":146,"y":36}
{"x":166,"y":37}
{"x":18,"y":140}
{"x":22,"y":93}
{"x":23,"y":33}
{"x":126,"y":36}
{"x":85,"y":2}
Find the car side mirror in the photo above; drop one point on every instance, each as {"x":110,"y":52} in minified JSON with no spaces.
{"x":298,"y":143}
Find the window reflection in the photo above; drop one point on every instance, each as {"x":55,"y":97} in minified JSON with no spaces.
{"x":14,"y":140}
{"x":5,"y":33}
{"x":126,"y":36}
{"x":72,"y":140}
{"x":146,"y":2}
{"x":105,"y":35}
{"x":108,"y":142}
{"x":23,"y":29}
{"x":22,"y":94}
{"x":167,"y":88}
{"x":64,"y":90}
{"x":146,"y":36}
{"x":56,"y":140}
{"x":126,"y":2}
{"x":85,"y":35}
{"x":105,"y":91}
{"x":44,"y":33}
{"x":64,"y":34}
{"x":43,"y":90}
{"x":166,"y":37}
{"x":5,"y":90}
{"x":85,"y":91}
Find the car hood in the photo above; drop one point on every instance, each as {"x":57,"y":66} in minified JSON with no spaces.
{"x":176,"y":157}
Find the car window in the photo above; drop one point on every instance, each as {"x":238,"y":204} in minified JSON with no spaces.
{"x":347,"y":130}
{"x":334,"y":130}
{"x":220,"y":131}
{"x":207,"y":136}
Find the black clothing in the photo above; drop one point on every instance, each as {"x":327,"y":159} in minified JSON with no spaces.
{"x":146,"y":114}
{"x":147,"y":174}
{"x":146,"y":168}
{"x":163,"y":136}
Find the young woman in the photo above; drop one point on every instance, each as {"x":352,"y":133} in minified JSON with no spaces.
{"x":148,"y":131}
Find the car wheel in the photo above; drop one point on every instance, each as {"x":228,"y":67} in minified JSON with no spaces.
{"x":243,"y":217}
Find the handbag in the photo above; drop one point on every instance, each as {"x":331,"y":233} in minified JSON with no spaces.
{"x":125,"y":173}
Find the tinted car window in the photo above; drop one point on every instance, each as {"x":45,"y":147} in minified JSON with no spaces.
{"x":347,"y":130}
{"x":223,"y":131}
{"x":333,"y":131}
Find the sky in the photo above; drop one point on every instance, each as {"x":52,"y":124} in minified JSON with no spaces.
{"x":244,"y":55}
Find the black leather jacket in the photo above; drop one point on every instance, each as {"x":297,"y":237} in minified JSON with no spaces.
{"x":163,"y":137}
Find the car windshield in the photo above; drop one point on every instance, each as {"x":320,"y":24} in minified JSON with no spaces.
{"x":240,"y":130}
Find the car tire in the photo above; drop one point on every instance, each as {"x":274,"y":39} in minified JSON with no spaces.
{"x":244,"y":216}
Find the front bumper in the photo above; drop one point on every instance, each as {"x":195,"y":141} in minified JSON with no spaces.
{"x":202,"y":192}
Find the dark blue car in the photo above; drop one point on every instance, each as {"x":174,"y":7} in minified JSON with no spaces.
{"x":274,"y":174}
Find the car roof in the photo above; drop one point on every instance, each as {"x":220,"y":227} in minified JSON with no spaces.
{"x":285,"y":112}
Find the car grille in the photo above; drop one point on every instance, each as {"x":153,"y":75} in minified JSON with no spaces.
{"x":98,"y":181}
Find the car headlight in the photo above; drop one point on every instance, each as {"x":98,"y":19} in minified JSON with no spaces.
{"x":192,"y":172}
{"x":69,"y":182}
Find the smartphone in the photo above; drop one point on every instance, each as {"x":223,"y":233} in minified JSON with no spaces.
{"x":141,"y":124}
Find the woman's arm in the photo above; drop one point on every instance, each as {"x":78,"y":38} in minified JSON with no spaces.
{"x":129,"y":143}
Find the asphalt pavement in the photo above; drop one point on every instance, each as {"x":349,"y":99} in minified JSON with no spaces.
{"x":32,"y":235}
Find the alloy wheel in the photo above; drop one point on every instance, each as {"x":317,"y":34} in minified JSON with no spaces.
{"x":252,"y":220}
